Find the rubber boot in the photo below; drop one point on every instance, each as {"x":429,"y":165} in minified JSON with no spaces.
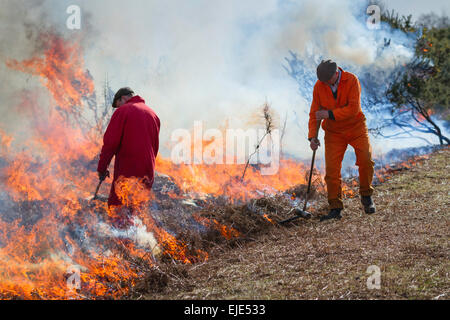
{"x":369,"y":205}
{"x":333,"y":214}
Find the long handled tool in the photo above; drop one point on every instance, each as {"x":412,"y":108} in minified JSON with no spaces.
{"x":101,"y":179}
{"x":303,"y":213}
{"x":98,"y":187}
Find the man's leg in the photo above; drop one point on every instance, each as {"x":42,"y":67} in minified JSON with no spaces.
{"x":335,"y":146}
{"x":365,"y":163}
{"x":363,"y":152}
{"x":120,"y":216}
{"x":113,"y":200}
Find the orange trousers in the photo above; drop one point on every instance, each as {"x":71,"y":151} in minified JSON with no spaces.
{"x":335,"y":147}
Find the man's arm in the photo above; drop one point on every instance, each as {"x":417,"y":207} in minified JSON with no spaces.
{"x":111,"y":140}
{"x":158,"y":122}
{"x":315,"y":106}
{"x":354,"y":103}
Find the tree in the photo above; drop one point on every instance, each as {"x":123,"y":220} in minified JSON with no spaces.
{"x":407,"y":94}
{"x":434,"y":46}
{"x":420,"y":89}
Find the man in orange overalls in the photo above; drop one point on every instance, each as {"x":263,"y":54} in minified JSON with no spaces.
{"x":336,"y":101}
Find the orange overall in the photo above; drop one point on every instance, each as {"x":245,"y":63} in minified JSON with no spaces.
{"x":347,"y":126}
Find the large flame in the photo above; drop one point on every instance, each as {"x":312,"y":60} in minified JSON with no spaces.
{"x":50,"y":230}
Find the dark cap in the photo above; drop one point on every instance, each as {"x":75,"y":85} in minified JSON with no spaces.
{"x":120,"y":93}
{"x":326,"y":70}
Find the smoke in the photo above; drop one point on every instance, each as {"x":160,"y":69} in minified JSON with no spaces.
{"x":17,"y":39}
{"x":213,"y":61}
{"x":137,"y":232}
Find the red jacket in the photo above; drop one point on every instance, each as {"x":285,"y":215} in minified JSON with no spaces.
{"x":133,"y":137}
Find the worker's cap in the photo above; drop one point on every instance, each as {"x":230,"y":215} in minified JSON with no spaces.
{"x":120,"y":93}
{"x":326,"y":70}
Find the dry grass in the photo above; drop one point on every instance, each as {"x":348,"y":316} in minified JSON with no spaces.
{"x":407,"y":238}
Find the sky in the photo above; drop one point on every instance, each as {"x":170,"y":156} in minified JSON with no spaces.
{"x":418,"y":7}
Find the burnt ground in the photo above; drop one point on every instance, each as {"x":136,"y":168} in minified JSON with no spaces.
{"x":408,"y":239}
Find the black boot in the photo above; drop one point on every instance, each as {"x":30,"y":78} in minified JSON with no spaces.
{"x":369,"y":206}
{"x":333,"y":214}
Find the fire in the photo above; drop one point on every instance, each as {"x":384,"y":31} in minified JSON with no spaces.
{"x":388,"y":171}
{"x":48,"y":227}
{"x":267,"y":218}
{"x":228,"y":232}
{"x":5,"y":141}
{"x":60,"y":70}
{"x":132,"y":191}
{"x":133,"y":194}
{"x":51,"y":233}
{"x":347,"y":191}
{"x":224,"y":179}
{"x":421,"y":118}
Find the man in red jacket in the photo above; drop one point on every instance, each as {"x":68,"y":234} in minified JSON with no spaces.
{"x":132,"y":137}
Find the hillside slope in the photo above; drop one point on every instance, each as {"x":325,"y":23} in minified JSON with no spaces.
{"x":407,"y":239}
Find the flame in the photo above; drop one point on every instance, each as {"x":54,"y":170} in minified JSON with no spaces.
{"x":347,"y":191}
{"x":5,"y":142}
{"x":134,"y":194}
{"x":227,"y":232}
{"x":421,"y":118}
{"x":47,"y":182}
{"x":60,"y":70}
{"x":225,"y":179}
{"x":388,"y":171}
{"x":267,"y":218}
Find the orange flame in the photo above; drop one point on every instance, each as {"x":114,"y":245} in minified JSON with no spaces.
{"x":49,"y":180}
{"x":227,"y":232}
{"x":60,"y":70}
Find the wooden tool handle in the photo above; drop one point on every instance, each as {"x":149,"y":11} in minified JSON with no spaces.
{"x":312,"y":166}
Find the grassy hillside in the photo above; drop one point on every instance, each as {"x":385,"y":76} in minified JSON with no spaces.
{"x":407,"y":239}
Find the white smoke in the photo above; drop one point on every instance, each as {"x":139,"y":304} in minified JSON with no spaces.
{"x":211,"y":60}
{"x":137,"y":232}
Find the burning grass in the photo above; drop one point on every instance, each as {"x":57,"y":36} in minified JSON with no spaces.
{"x":407,"y":238}
{"x":167,"y":235}
{"x":123,"y":253}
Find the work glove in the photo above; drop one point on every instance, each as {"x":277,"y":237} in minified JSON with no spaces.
{"x":314,"y":143}
{"x":322,"y":114}
{"x":102,"y":175}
